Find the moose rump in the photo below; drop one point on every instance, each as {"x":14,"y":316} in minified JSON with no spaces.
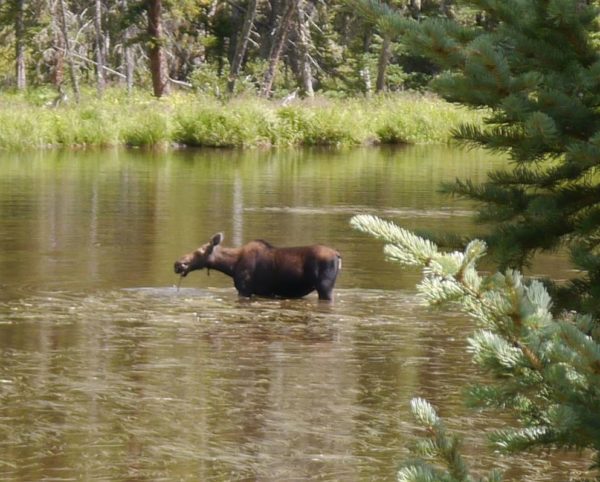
{"x":286,"y":272}
{"x":258,"y":268}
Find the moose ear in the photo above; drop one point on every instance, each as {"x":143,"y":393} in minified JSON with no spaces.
{"x":216,"y":239}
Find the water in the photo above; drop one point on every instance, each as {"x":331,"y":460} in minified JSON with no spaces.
{"x":109,"y":372}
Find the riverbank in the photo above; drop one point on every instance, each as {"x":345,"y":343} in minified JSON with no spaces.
{"x":31,"y":121}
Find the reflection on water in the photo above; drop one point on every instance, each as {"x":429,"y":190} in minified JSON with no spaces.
{"x":158,"y":385}
{"x":101,"y":379}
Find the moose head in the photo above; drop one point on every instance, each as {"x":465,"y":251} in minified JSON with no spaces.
{"x":200,"y":258}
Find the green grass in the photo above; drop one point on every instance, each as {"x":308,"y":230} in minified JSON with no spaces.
{"x":27,"y":121}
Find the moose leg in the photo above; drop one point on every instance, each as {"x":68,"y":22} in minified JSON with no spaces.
{"x":326,"y":280}
{"x":325,"y":294}
{"x":242,"y":283}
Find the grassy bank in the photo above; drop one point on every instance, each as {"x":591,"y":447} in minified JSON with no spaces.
{"x":27,"y":121}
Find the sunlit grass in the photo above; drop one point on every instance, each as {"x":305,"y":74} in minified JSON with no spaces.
{"x":420,"y":120}
{"x":30,"y":121}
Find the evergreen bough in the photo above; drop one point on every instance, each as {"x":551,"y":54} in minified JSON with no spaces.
{"x":544,"y":368}
{"x":534,"y":65}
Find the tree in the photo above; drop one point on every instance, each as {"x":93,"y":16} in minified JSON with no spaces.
{"x":20,"y":45}
{"x":384,"y":59}
{"x":20,"y":18}
{"x":156,"y":51}
{"x":304,"y":59}
{"x":543,"y":368}
{"x":321,"y":43}
{"x":279,"y":38}
{"x":535,"y":69}
{"x":242,"y":44}
{"x":99,"y":47}
{"x":127,"y":51}
{"x":62,"y":11}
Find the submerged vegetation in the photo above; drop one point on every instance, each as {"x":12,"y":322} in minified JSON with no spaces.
{"x":30,"y":121}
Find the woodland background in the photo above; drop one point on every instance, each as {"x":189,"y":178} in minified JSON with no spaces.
{"x":270,"y":47}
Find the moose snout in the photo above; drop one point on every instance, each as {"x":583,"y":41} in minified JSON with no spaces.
{"x":181,"y":268}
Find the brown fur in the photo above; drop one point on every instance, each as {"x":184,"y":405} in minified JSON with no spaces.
{"x":258,"y":268}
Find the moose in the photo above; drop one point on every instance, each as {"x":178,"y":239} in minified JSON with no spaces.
{"x":260,"y":269}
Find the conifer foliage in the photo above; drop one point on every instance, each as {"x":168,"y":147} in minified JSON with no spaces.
{"x":535,"y":66}
{"x":544,"y":369}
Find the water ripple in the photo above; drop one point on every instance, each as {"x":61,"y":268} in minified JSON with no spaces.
{"x":351,"y":210}
{"x":161,"y":384}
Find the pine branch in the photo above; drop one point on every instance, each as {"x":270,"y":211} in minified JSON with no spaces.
{"x":544,"y":369}
{"x":536,"y":68}
{"x":439,"y":447}
{"x":404,"y":246}
{"x":390,"y":21}
{"x":525,"y":439}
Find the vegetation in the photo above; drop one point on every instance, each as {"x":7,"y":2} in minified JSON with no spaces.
{"x":196,"y":120}
{"x":204,"y":56}
{"x":535,"y":66}
{"x":543,"y":368}
{"x":541,"y":86}
{"x":266,"y":47}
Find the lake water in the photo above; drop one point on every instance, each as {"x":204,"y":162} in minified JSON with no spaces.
{"x":108,"y":372}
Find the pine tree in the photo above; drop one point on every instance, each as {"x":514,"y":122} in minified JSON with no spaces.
{"x":543,"y":368}
{"x":535,"y":68}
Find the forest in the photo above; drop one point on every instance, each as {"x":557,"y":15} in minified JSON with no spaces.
{"x":273,"y":48}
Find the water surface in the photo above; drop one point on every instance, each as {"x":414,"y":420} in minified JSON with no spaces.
{"x":108,"y":372}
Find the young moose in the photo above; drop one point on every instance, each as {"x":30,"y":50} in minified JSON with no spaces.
{"x":257,"y":268}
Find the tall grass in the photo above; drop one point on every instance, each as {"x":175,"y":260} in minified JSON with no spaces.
{"x":191,"y":120}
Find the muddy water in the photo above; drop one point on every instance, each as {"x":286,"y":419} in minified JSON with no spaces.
{"x":108,"y":372}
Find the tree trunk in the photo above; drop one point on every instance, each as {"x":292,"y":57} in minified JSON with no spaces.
{"x":99,"y":48}
{"x":158,"y":59}
{"x":365,"y":75}
{"x":20,"y":45}
{"x":447,"y":9}
{"x":415,"y":8}
{"x":65,"y":34}
{"x":276,"y":9}
{"x":384,"y":59}
{"x":279,"y":38}
{"x":242,"y":45}
{"x":58,"y":45}
{"x":303,"y":48}
{"x":127,"y":54}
